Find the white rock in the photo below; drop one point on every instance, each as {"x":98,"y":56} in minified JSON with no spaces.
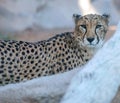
{"x":49,"y":89}
{"x":98,"y":82}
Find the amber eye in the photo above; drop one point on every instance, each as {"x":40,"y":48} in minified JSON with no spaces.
{"x":83,"y":26}
{"x":98,"y":26}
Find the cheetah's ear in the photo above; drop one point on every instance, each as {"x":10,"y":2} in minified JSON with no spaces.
{"x":76,"y":17}
{"x":106,"y":17}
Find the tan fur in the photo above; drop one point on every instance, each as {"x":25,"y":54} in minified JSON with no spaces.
{"x":20,"y":61}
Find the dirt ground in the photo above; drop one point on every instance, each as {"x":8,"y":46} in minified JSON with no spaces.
{"x":36,"y":35}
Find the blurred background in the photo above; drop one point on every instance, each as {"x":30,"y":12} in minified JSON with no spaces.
{"x":33,"y":20}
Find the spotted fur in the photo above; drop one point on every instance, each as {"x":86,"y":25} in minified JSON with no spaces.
{"x":20,"y":60}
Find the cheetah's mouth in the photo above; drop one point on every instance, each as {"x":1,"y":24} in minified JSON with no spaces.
{"x":97,"y":45}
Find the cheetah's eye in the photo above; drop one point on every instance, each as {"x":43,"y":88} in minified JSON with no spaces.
{"x":83,"y":26}
{"x":98,"y":26}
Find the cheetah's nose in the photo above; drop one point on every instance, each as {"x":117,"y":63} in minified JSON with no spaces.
{"x":90,"y":40}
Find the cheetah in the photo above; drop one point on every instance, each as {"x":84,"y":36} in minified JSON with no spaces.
{"x":21,"y":61}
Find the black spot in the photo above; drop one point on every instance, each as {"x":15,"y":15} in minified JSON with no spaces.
{"x":40,"y":49}
{"x":36,"y":64}
{"x":9,"y":67}
{"x":2,"y":53}
{"x":10,"y":71}
{"x":10,"y":63}
{"x":32,"y":50}
{"x":32,"y":62}
{"x":46,"y":72}
{"x":60,"y":39}
{"x":37,"y":70}
{"x":23,"y":53}
{"x":85,"y":51}
{"x":28,"y":67}
{"x":43,"y":64}
{"x":43,"y":69}
{"x":18,"y":70}
{"x":8,"y":59}
{"x":28,"y":51}
{"x":66,"y":67}
{"x":18,"y":61}
{"x":21,"y":42}
{"x":37,"y":57}
{"x":69,"y":68}
{"x":58,"y":43}
{"x":66,"y":52}
{"x":54,"y":41}
{"x":21,"y":58}
{"x":48,"y":43}
{"x":7,"y":79}
{"x":10,"y":54}
{"x":75,"y":65}
{"x":45,"y":52}
{"x":55,"y":49}
{"x":42,"y":56}
{"x":11,"y":76}
{"x":20,"y":73}
{"x":29,"y":57}
{"x":2,"y":62}
{"x":16,"y":54}
{"x":13,"y":50}
{"x":2,"y":58}
{"x":8,"y":49}
{"x":49,"y":49}
{"x":17,"y":49}
{"x":23,"y":48}
{"x":36,"y":53}
{"x":5,"y":51}
{"x":1,"y":46}
{"x":60,"y":68}
{"x":57,"y":70}
{"x":30,"y":71}
{"x":33,"y":67}
{"x":3,"y":43}
{"x":39,"y":75}
{"x":25,"y":71}
{"x":4,"y":75}
{"x":25,"y":45}
{"x":15,"y":66}
{"x":25,"y":76}
{"x":30,"y":46}
{"x":17,"y":77}
{"x":65,"y":46}
{"x":69,"y":62}
{"x":32,"y":75}
{"x":63,"y":60}
{"x":39,"y":61}
{"x":63,"y":49}
{"x":1,"y":71}
{"x":24,"y":62}
{"x":2,"y":66}
{"x":53,"y":44}
{"x":17,"y":80}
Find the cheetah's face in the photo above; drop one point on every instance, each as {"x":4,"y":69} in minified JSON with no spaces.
{"x":90,"y":29}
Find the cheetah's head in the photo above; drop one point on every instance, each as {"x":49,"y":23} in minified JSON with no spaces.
{"x":90,"y":29}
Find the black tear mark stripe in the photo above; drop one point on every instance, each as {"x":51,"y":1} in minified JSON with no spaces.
{"x":84,"y":34}
{"x":97,"y":36}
